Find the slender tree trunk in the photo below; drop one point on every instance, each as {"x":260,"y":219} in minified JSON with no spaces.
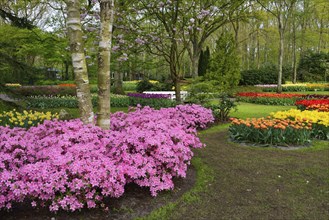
{"x":281,"y":52}
{"x":66,"y":64}
{"x":174,"y":70}
{"x":104,"y":58}
{"x":118,"y":86}
{"x":294,"y":57}
{"x":79,"y":61}
{"x":194,"y":56}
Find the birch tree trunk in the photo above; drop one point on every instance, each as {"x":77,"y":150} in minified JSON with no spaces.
{"x":104,"y":57}
{"x":79,"y":61}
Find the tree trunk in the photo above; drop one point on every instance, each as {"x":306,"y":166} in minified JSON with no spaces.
{"x":79,"y":61}
{"x":174,"y":70}
{"x":194,"y":56}
{"x":104,"y":58}
{"x":279,"y":89}
{"x":294,"y":57}
{"x":118,"y":86}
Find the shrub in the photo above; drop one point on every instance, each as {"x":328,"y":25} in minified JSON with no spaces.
{"x":44,"y":90}
{"x":313,"y":66}
{"x":144,"y":85}
{"x":201,"y":92}
{"x":153,"y":100}
{"x":68,"y":165}
{"x":271,"y":131}
{"x":222,"y":110}
{"x":265,"y":75}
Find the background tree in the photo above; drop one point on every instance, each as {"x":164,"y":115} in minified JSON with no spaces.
{"x":204,"y":62}
{"x":224,"y":70}
{"x":281,"y":10}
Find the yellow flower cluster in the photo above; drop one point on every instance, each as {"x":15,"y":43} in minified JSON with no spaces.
{"x":25,"y":119}
{"x":13,"y":85}
{"x":321,"y":118}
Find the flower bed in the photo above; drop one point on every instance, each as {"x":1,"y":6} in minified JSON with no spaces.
{"x":271,"y":131}
{"x":319,"y":120}
{"x":68,"y":165}
{"x":313,"y":104}
{"x":71,"y":101}
{"x":295,"y":87}
{"x":268,"y":98}
{"x":25,"y":119}
{"x":153,"y":100}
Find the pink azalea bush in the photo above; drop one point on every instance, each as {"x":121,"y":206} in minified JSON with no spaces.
{"x":68,"y":165}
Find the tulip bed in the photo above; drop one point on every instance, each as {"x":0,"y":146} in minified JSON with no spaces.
{"x":319,"y":120}
{"x":295,"y":87}
{"x":67,"y":165}
{"x":269,"y":98}
{"x":271,"y":131}
{"x":313,"y":104}
{"x":292,"y":127}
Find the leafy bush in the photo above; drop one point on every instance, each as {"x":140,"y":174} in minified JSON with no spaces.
{"x":222,"y":110}
{"x":68,"y":165}
{"x":271,"y":131}
{"x":144,"y":85}
{"x":201,"y":92}
{"x":152,"y":102}
{"x":313,"y":67}
{"x":43,"y":90}
{"x":265,"y":75}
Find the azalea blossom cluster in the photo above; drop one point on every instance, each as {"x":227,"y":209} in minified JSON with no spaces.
{"x":68,"y":165}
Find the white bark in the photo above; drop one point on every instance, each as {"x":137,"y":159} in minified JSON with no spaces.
{"x":104,"y":58}
{"x":79,"y":61}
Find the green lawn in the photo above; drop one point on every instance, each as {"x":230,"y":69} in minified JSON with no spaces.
{"x":249,"y":110}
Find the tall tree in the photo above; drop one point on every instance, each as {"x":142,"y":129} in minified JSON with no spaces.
{"x":281,"y":10}
{"x":79,"y":61}
{"x":104,"y":60}
{"x":205,"y":18}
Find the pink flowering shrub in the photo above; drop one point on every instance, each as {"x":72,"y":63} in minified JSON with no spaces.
{"x":68,"y":165}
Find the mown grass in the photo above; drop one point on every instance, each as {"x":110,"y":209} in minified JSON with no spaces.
{"x":249,"y":110}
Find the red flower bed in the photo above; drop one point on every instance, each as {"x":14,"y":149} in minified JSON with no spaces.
{"x":268,"y":95}
{"x":310,"y":102}
{"x":321,"y":105}
{"x":67,"y":85}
